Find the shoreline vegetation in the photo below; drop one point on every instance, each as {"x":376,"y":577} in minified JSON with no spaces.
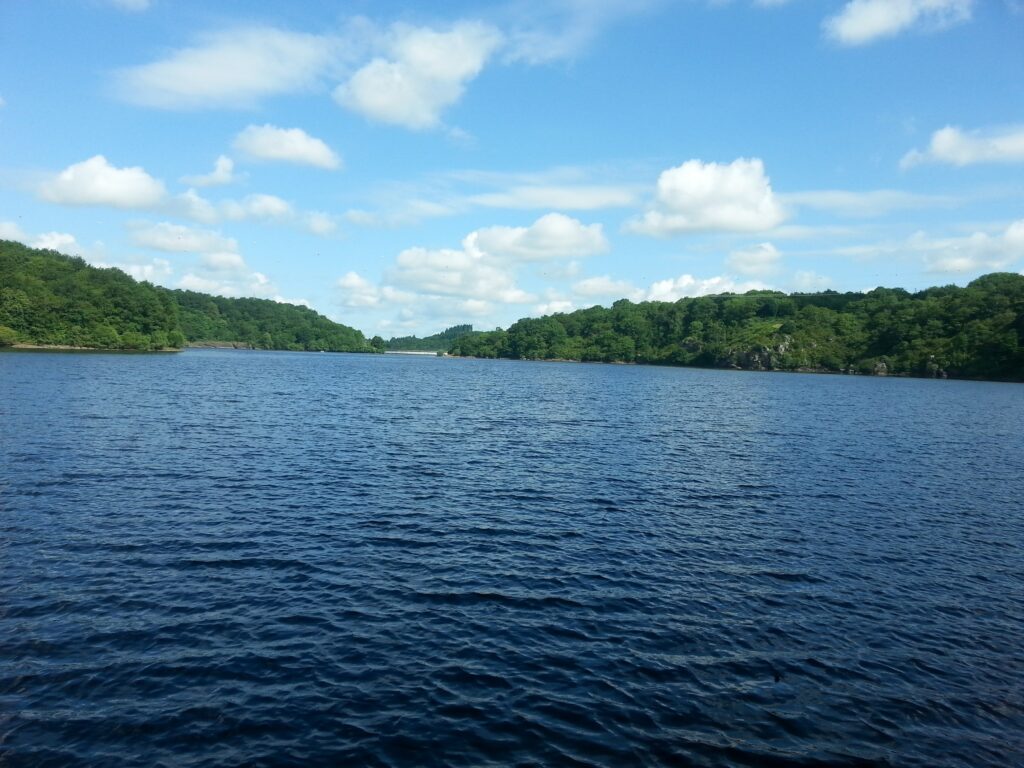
{"x":52,"y":301}
{"x":974,"y":332}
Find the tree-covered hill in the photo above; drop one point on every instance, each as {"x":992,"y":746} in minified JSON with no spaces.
{"x":263,"y":324}
{"x":972,"y":332}
{"x":439,"y":342}
{"x":48,"y":298}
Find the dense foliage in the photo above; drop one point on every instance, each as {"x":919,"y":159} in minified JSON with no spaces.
{"x":49,"y":298}
{"x":439,"y":342}
{"x":972,"y":332}
{"x":52,"y":299}
{"x":263,"y":324}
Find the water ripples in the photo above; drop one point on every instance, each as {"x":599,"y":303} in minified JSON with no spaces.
{"x":227,"y":558}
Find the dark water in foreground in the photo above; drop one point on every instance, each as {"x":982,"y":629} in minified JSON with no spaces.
{"x":227,"y":558}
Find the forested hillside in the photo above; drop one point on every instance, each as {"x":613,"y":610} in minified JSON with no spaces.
{"x":263,"y":324}
{"x":972,"y":332}
{"x":439,"y":342}
{"x":48,"y":298}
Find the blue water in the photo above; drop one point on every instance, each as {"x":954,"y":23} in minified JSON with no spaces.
{"x":239,"y":558}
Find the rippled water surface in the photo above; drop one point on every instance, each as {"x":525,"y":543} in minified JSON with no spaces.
{"x":227,"y":558}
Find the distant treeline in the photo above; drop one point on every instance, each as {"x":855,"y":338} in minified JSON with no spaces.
{"x":51,"y":299}
{"x":972,"y":332}
{"x":439,"y":342}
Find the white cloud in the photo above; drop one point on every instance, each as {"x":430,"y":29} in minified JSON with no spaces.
{"x":977,"y":252}
{"x":223,"y":173}
{"x":254,"y":284}
{"x":807,"y":281}
{"x":62,"y":242}
{"x":319,"y":223}
{"x":234,"y":68}
{"x":760,"y":261}
{"x":554,"y":307}
{"x":11,"y":231}
{"x":878,"y":202}
{"x":566,"y":198}
{"x":605,"y":286}
{"x":259,"y":207}
{"x":152,"y":271}
{"x":424,"y":72}
{"x":685,"y":286}
{"x":97,"y":182}
{"x":2,"y":102}
{"x":290,"y":145}
{"x":864,"y":21}
{"x":357,"y":291}
{"x":191,"y":205}
{"x":176,"y":238}
{"x":553,"y":236}
{"x":223,"y":261}
{"x":698,"y":196}
{"x":549,"y":30}
{"x":57,"y":241}
{"x":131,"y":5}
{"x":449,"y":272}
{"x":953,"y":146}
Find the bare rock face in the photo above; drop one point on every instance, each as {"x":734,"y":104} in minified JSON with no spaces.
{"x":881,"y":369}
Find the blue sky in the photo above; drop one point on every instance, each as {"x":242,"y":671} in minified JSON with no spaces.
{"x":403,"y":167}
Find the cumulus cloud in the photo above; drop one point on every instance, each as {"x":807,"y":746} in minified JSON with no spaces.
{"x":254,"y":284}
{"x":260,"y":207}
{"x":808,"y":281}
{"x":233,"y":68}
{"x":760,"y":261}
{"x":605,"y":286}
{"x":864,"y":21}
{"x":176,"y":238}
{"x":9,"y":230}
{"x":96,"y":182}
{"x":686,"y":286}
{"x":357,"y":291}
{"x":698,"y":196}
{"x":290,"y":145}
{"x":450,"y":272}
{"x":153,"y":271}
{"x":671,"y":289}
{"x":553,"y":236}
{"x":57,"y":241}
{"x":423,"y":73}
{"x":223,"y":261}
{"x":977,"y":252}
{"x":223,"y":173}
{"x":953,"y":146}
{"x":554,"y":306}
{"x":63,"y":242}
{"x":319,"y":223}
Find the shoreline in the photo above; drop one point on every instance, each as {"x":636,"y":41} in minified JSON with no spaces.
{"x":737,"y":369}
{"x":71,"y":348}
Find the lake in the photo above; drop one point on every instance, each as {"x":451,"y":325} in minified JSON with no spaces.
{"x":223,"y":558}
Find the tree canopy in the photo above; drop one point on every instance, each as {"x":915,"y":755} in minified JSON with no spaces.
{"x":48,"y":298}
{"x":439,"y":342}
{"x":971,"y":332}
